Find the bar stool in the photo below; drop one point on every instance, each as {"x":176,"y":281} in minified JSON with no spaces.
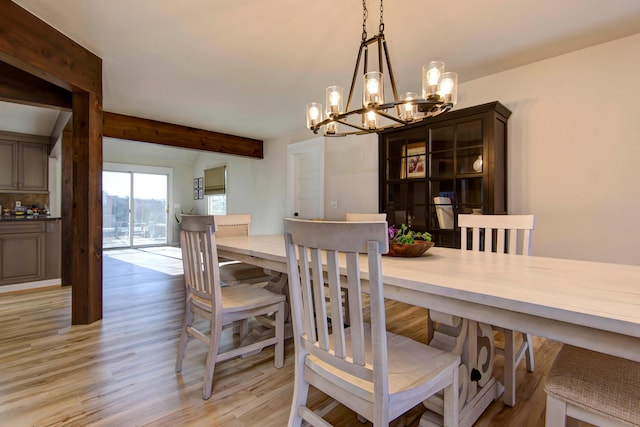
{"x":592,"y":387}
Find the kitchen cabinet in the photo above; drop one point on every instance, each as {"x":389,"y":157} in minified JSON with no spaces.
{"x":29,"y":250}
{"x":23,"y":163}
{"x":449,"y":164}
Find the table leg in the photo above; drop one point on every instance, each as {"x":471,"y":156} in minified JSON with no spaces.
{"x":478,"y":388}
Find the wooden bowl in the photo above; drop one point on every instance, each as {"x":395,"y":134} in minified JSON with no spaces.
{"x":405,"y":250}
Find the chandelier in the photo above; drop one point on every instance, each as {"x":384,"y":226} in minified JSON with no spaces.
{"x":439,"y":94}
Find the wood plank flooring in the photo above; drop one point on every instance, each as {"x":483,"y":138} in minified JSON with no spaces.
{"x":120,"y":371}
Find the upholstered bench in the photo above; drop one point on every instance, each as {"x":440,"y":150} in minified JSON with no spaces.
{"x":593,"y":387}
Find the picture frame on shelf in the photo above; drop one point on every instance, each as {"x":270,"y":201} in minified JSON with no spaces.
{"x":414,"y":161}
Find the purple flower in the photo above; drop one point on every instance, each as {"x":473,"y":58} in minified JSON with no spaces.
{"x":392,"y":232}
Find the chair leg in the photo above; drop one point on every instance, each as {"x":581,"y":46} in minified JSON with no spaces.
{"x":279,"y":356}
{"x":529,"y":352}
{"x":241,"y":327}
{"x":509,"y":368}
{"x":556,"y":412}
{"x":451,"y":402}
{"x":300,"y":393}
{"x":210,"y":365}
{"x":184,"y":338}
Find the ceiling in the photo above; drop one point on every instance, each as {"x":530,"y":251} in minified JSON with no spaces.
{"x":248,"y":67}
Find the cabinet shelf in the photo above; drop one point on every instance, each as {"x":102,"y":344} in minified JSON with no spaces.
{"x":448,"y":148}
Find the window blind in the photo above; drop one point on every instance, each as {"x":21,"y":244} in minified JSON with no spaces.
{"x":215,"y":180}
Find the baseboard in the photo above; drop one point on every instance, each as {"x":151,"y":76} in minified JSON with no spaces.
{"x":27,"y":286}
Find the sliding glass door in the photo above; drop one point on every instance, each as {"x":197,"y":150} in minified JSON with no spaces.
{"x":134,"y":207}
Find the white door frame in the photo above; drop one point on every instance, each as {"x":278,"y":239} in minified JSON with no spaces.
{"x":316,"y":147}
{"x":124,"y":167}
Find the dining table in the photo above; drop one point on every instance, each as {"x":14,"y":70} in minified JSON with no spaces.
{"x":588,"y":304}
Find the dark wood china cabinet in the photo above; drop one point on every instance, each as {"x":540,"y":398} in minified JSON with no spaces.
{"x":449,"y":164}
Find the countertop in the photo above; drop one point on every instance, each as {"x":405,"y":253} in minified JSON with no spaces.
{"x":23,"y":218}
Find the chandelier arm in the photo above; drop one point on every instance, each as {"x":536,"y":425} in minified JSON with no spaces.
{"x":395,"y":119}
{"x":355,"y":74}
{"x":352,"y":125}
{"x":380,"y":63}
{"x":391,"y":77}
{"x":441,"y":110}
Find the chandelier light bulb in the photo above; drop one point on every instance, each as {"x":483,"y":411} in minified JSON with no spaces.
{"x":449,"y":88}
{"x":370,"y":120}
{"x":335,"y":95}
{"x":332,"y":128}
{"x":409,"y":110}
{"x":431,"y":78}
{"x":372,"y":86}
{"x":314,"y":114}
{"x":373,"y":90}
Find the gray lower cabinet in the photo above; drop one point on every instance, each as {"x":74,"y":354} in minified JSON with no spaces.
{"x":29,"y":251}
{"x":23,"y":163}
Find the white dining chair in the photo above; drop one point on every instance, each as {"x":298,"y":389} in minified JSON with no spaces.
{"x":592,"y":387}
{"x":220,"y":306}
{"x":377,"y":374}
{"x":232,"y":272}
{"x":510,"y":234}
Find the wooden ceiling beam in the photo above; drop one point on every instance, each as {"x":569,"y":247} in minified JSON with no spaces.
{"x":145,"y":130}
{"x":23,"y":88}
{"x":34,"y":46}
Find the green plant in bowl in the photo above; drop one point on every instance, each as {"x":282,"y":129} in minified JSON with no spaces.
{"x":405,"y":235}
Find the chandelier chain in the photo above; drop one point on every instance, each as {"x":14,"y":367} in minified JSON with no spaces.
{"x":365,"y":14}
{"x":381,"y":28}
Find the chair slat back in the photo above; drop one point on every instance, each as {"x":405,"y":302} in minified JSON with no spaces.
{"x":316,"y":250}
{"x":233,"y":225}
{"x":200,"y":258}
{"x":506,"y":229}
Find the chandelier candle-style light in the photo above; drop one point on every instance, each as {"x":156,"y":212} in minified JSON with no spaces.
{"x":439,"y":94}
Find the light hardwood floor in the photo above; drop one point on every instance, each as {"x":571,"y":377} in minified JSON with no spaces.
{"x":120,"y":371}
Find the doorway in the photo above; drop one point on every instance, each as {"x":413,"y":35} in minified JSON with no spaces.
{"x":305,"y":179}
{"x":134,"y":208}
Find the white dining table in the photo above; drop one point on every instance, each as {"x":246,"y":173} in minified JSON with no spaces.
{"x":587,"y":304}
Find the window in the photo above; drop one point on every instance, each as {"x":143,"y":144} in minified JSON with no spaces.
{"x":217,"y":204}
{"x":215,"y":181}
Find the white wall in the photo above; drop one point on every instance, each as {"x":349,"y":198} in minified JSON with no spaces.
{"x":254,"y":186}
{"x":351,"y":175}
{"x":574,"y":145}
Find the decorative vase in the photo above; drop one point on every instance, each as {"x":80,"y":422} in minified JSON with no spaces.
{"x":418,"y":248}
{"x":477,"y":165}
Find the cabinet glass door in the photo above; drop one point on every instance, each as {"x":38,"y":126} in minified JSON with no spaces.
{"x":405,"y":180}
